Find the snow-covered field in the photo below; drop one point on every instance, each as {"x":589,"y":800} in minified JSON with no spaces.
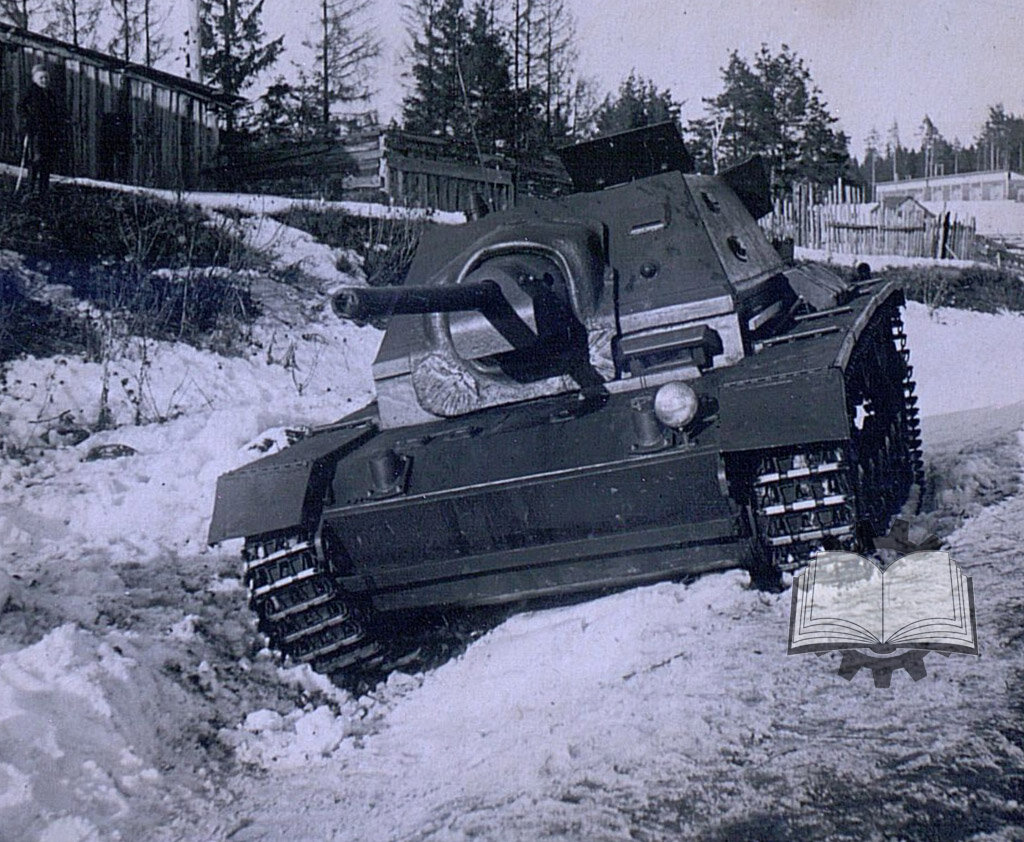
{"x":135,"y":704}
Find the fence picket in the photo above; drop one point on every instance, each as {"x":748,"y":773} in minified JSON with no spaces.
{"x":851,"y":226}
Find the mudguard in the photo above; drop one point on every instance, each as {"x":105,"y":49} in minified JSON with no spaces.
{"x":282,"y":490}
{"x":811,"y":406}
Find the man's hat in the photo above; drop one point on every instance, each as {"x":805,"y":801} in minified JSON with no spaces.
{"x":39,"y":68}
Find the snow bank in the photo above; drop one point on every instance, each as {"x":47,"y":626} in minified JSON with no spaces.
{"x":588,"y":716}
{"x":307,"y":367}
{"x":162,"y":496}
{"x":880,"y":261}
{"x":77,"y":729}
{"x":963,"y":359}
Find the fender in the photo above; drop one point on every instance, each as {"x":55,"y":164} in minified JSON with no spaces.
{"x":285,"y":489}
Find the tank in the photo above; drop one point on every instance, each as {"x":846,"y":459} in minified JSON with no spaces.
{"x":617,"y":386}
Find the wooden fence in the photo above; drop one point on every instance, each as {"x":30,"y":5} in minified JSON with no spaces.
{"x":435,"y":173}
{"x":864,"y":229}
{"x":389,"y":165}
{"x":999,"y":255}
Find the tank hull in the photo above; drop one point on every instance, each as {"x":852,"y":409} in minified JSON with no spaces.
{"x":564,"y":529}
{"x":558,"y":497}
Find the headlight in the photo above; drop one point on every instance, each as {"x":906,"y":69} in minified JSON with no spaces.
{"x":675,"y":404}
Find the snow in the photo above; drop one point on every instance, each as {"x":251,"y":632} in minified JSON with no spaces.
{"x":880,"y":261}
{"x":307,"y":368}
{"x":259,"y":203}
{"x":75,"y":728}
{"x":978,"y":352}
{"x":993,"y":218}
{"x":135,"y":701}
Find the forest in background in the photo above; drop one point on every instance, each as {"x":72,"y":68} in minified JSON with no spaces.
{"x":502,"y":76}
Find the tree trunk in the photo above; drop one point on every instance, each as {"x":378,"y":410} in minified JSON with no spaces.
{"x":326,"y":88}
{"x":127,"y":33}
{"x":518,"y":100}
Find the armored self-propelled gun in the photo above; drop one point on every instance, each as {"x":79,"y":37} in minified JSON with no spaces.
{"x":617,"y":386}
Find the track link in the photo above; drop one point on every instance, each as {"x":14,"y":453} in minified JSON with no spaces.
{"x":300,"y":609}
{"x":802,"y":498}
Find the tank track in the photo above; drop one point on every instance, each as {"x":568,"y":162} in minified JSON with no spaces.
{"x":804,"y":499}
{"x":839,"y":495}
{"x":300,"y":609}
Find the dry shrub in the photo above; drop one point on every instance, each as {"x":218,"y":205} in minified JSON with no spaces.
{"x":164,"y":269}
{"x":974,"y":288}
{"x":386,"y":246}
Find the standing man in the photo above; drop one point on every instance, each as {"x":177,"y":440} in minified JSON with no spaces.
{"x":42,"y":120}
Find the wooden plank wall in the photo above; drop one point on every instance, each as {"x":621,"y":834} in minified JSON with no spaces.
{"x":174,"y":133}
{"x":444,"y":185}
{"x":388,"y":165}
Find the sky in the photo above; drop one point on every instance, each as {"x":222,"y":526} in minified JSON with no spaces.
{"x":875,"y":61}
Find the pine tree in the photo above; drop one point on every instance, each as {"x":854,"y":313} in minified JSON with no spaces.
{"x":287,"y":110}
{"x":638,"y":103}
{"x":462,"y":85}
{"x":420,"y":19}
{"x":484,"y":83}
{"x":772,"y":108}
{"x":930,"y":140}
{"x":892,"y":148}
{"x":436,"y":28}
{"x":872,"y":144}
{"x":234,"y":45}
{"x":1001,"y":142}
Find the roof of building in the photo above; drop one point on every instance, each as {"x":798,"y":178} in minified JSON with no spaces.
{"x":910,"y":183}
{"x":897,"y":202}
{"x":23,"y":37}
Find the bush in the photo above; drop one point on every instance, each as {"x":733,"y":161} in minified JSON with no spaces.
{"x":85,"y":225}
{"x":974,"y":288}
{"x":37,"y":327}
{"x":164,"y":268}
{"x":386,"y":246}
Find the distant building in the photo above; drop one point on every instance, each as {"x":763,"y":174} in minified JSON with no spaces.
{"x":901,"y":208}
{"x":972,"y":186}
{"x":127,"y":122}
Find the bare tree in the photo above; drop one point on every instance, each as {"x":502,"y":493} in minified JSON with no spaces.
{"x":343,"y":52}
{"x":76,"y":21}
{"x":557,"y":63}
{"x":21,"y":13}
{"x":541,"y":39}
{"x":137,"y":34}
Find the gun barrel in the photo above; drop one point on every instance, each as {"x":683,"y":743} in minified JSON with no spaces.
{"x":361,"y":303}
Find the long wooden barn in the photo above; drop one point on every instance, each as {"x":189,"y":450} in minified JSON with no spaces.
{"x":126,"y":122}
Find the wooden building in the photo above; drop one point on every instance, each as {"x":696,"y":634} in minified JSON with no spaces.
{"x":126,"y":122}
{"x":986,"y":186}
{"x":390,"y":166}
{"x":900,"y":209}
